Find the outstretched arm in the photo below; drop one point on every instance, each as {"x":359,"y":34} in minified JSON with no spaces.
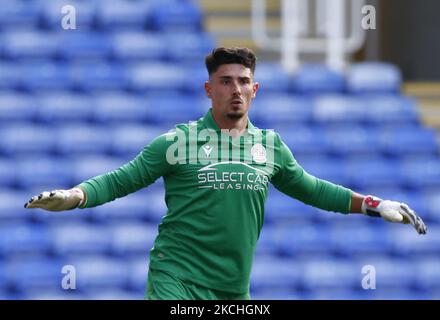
{"x":142,"y":171}
{"x":294,"y":181}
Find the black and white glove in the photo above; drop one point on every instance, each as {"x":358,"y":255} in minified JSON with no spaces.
{"x":393,"y":211}
{"x":57,"y":200}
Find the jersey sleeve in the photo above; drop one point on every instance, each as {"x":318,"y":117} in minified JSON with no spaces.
{"x":294,"y":181}
{"x":143,"y":170}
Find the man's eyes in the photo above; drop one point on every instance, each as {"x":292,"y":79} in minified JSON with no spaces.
{"x":243,"y":81}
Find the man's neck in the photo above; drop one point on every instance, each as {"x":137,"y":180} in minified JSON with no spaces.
{"x":235,"y":126}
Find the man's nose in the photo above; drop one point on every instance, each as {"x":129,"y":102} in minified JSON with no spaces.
{"x":236,"y":88}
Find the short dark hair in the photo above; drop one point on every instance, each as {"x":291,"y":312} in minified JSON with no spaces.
{"x":222,"y":55}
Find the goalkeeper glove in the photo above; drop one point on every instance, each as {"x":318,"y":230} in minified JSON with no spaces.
{"x":57,"y":200}
{"x":392,"y":211}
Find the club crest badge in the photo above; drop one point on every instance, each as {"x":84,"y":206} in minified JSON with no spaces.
{"x":258,"y":153}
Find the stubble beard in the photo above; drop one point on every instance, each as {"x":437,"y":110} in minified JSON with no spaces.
{"x":236,"y":113}
{"x":235,"y":116}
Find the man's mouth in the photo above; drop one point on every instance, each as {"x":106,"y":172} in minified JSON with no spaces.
{"x":237,"y":102}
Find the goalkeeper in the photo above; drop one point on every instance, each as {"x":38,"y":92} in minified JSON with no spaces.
{"x":215,"y":199}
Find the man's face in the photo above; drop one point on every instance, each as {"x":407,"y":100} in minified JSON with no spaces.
{"x":231,"y":89}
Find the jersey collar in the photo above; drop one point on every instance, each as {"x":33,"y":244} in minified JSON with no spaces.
{"x":209,"y":123}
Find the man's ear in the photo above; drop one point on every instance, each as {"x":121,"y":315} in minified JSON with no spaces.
{"x":207,"y":89}
{"x":255,"y":89}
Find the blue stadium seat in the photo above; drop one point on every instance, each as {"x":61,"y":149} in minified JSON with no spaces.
{"x":52,"y":14}
{"x":131,"y":207}
{"x":272,"y":272}
{"x":432,"y":202}
{"x":132,"y":238}
{"x":303,"y":139}
{"x":120,"y":14}
{"x":324,"y":167}
{"x":199,"y":75}
{"x":272,"y":78}
{"x":86,"y":167}
{"x":7,"y":172}
{"x":10,"y":77}
{"x":12,"y":207}
{"x":406,"y":140}
{"x":427,"y":273}
{"x":370,"y":173}
{"x":64,"y":107}
{"x":26,"y":139}
{"x":16,"y":106}
{"x":354,"y":239}
{"x":317,"y":78}
{"x":19,"y":238}
{"x":3,"y":277}
{"x":434,"y":294}
{"x":390,"y":109}
{"x":54,"y":294}
{"x":303,"y":239}
{"x":339,"y":294}
{"x":274,"y":110}
{"x":390,"y":273}
{"x":421,"y":172}
{"x":80,"y":238}
{"x":360,"y":294}
{"x":176,"y":16}
{"x":280,"y":207}
{"x":120,"y":108}
{"x":132,"y":45}
{"x":188,"y":47}
{"x":169,"y":109}
{"x":157,"y":77}
{"x":131,"y":139}
{"x":45,"y":75}
{"x":45,"y":172}
{"x":407,"y":242}
{"x":10,"y":295}
{"x":80,"y":139}
{"x":138,"y":273}
{"x":373,"y":77}
{"x":339,"y":109}
{"x":329,"y":274}
{"x":267,"y":241}
{"x":30,"y":274}
{"x":399,"y":294}
{"x":19,"y":14}
{"x":350,"y":140}
{"x":114,"y":294}
{"x":30,"y":44}
{"x":88,"y":76}
{"x":100,"y":272}
{"x":276,"y":294}
{"x":156,"y":209}
{"x":85,"y":45}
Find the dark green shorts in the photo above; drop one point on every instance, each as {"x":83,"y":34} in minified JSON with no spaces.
{"x":164,"y":286}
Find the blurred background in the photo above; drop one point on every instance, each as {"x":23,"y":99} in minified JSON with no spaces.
{"x":357,"y":106}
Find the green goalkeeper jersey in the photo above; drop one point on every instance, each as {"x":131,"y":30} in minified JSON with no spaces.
{"x":215,"y":189}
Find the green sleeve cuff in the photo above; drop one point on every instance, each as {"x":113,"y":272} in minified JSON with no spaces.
{"x":84,"y":188}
